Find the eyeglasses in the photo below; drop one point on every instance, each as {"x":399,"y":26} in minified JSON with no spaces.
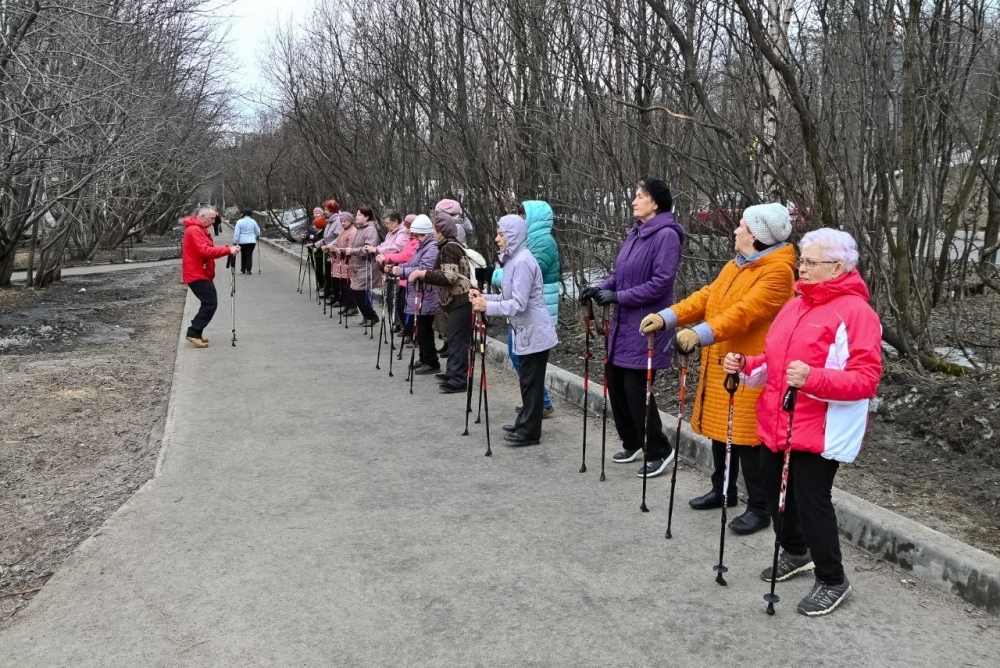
{"x":809,"y":264}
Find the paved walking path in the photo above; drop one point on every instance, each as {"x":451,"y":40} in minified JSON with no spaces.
{"x":310,"y":512}
{"x":102,"y":268}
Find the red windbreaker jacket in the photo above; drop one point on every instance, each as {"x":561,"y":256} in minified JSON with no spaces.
{"x":831,"y":327}
{"x":199,"y":252}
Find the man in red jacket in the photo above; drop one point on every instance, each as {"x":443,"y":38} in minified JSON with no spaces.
{"x":198,"y":256}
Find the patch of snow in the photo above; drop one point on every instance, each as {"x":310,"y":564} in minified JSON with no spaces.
{"x":956,"y":356}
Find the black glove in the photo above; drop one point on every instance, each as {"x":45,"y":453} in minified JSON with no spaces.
{"x":589,"y":294}
{"x":605,"y":297}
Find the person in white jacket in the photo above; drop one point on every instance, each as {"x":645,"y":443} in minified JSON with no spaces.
{"x":245,"y":236}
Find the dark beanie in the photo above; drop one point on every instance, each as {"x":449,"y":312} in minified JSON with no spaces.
{"x":660,"y":192}
{"x":445,"y":224}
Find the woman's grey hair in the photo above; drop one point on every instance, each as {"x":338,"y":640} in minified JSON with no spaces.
{"x":835,"y":245}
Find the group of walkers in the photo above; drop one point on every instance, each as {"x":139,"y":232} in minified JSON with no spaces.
{"x":787,"y":366}
{"x":424,"y":265}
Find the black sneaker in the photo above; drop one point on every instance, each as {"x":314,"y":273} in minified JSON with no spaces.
{"x":443,"y":377}
{"x":789,"y":565}
{"x":655,"y":467}
{"x":426,"y":369}
{"x":626,"y":456}
{"x":451,"y":388}
{"x":824,"y":599}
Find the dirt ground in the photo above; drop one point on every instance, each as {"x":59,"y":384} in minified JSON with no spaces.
{"x":85,"y":373}
{"x":931,"y":449}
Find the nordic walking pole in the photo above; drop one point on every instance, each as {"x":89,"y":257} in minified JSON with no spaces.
{"x":731,"y":382}
{"x":479,"y":412}
{"x":588,"y":319}
{"x":788,"y":405}
{"x":370,"y":295}
{"x":311,"y":269}
{"x":233,"y":295}
{"x":381,"y":334}
{"x":333,"y":283}
{"x":348,"y":290}
{"x":482,"y":377}
{"x":302,"y":250}
{"x":677,"y":442}
{"x":471,"y":374}
{"x":604,"y":392}
{"x":392,"y":340}
{"x":649,"y":403}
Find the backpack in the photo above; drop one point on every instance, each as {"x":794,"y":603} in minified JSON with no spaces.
{"x":476,"y":261}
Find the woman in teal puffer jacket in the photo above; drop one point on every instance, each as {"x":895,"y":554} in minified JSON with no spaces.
{"x":538,"y":216}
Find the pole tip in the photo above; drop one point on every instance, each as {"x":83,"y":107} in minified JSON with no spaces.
{"x":583,"y":468}
{"x":668,"y":535}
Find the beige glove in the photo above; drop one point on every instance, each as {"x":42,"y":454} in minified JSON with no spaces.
{"x":651,"y":323}
{"x":687,"y":340}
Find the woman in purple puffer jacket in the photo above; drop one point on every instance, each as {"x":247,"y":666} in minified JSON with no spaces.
{"x":643,"y":280}
{"x":424,"y":258}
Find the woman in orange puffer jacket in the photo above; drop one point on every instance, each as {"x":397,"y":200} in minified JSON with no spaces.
{"x":735,"y":312}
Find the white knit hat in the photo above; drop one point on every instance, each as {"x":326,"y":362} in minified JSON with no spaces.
{"x":768,"y":223}
{"x":421,"y":225}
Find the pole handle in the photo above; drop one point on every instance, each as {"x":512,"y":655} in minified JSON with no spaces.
{"x":731,"y":382}
{"x":788,"y":402}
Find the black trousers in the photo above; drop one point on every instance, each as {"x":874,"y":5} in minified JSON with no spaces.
{"x":749,"y":457}
{"x":204,"y":290}
{"x":459,"y":333}
{"x":809,"y":521}
{"x":425,"y":341}
{"x":246,"y":257}
{"x":627,"y":394}
{"x":532,"y":381}
{"x":365,"y":303}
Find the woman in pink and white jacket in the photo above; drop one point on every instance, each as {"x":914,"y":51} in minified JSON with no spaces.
{"x":827,"y":343}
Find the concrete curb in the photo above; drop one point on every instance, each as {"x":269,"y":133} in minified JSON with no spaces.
{"x":935,"y":558}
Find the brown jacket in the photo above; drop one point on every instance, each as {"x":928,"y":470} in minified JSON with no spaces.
{"x":450,"y":274}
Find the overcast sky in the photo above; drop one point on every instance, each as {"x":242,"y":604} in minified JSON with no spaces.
{"x":252,"y":22}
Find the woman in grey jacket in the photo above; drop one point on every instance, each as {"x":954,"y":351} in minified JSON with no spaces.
{"x":521,"y":300}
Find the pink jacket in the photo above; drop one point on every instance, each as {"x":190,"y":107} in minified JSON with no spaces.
{"x":404,"y":255}
{"x":831,"y":327}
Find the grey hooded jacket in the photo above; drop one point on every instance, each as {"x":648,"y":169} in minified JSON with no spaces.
{"x":521,"y":297}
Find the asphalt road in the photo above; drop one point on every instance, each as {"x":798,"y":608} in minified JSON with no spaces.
{"x":310,"y":512}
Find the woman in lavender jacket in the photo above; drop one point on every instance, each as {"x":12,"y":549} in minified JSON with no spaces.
{"x":424,"y":258}
{"x":643,"y":280}
{"x":522,"y":301}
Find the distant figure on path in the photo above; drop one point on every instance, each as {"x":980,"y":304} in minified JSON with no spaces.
{"x":245,"y":236}
{"x":198,"y":256}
